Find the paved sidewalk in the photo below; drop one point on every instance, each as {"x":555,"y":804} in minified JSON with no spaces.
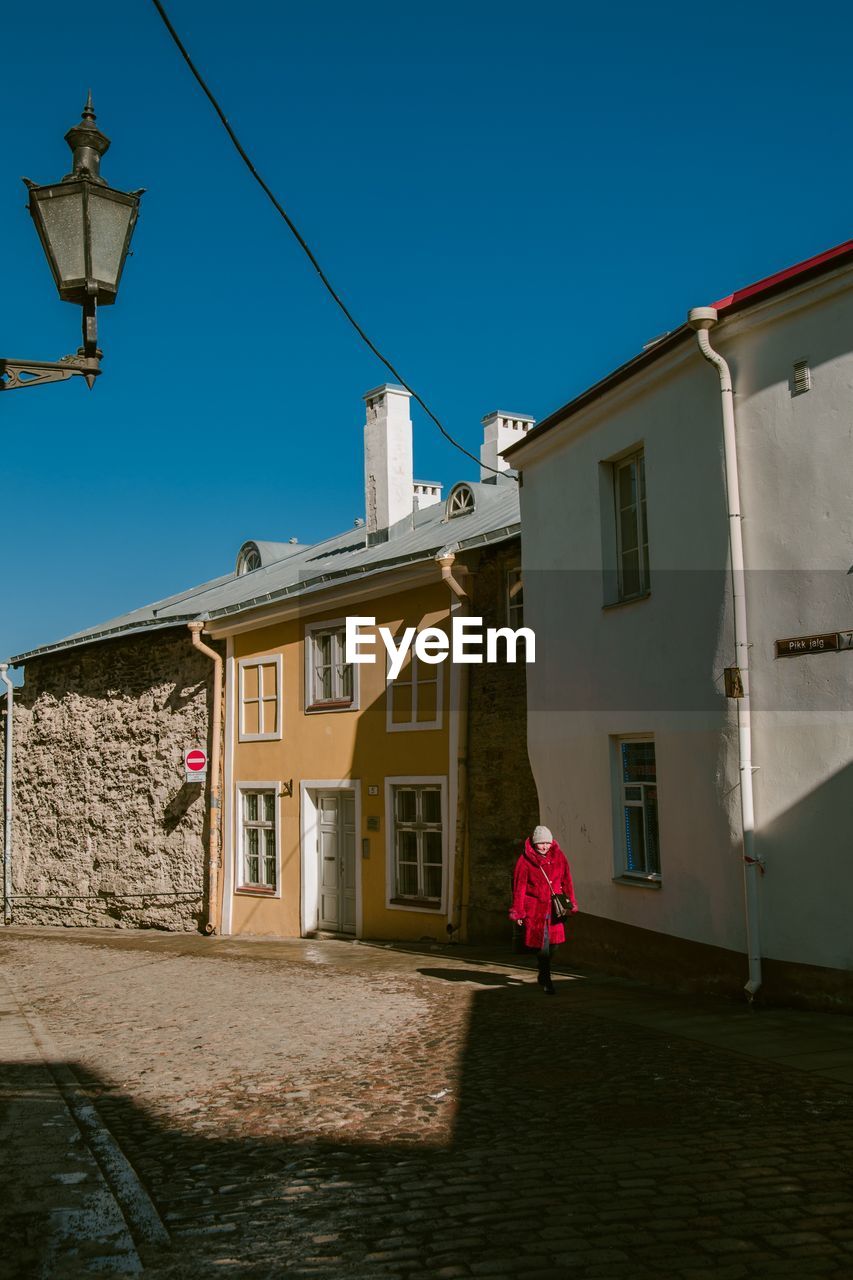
{"x":57,"y":1213}
{"x":320,"y":1108}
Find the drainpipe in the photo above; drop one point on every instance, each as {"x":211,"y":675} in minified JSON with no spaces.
{"x":459,"y":906}
{"x":702,"y":319}
{"x":214,"y":848}
{"x":7,"y":798}
{"x":446,"y":560}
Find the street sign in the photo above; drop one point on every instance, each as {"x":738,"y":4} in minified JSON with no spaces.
{"x":796,"y":646}
{"x":195,"y":764}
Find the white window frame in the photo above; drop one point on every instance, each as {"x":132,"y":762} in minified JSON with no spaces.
{"x":415,"y":667}
{"x":240,"y":886}
{"x":620,"y":801}
{"x":637,"y":459}
{"x":434,"y":907}
{"x":312,"y":707}
{"x":514,"y":583}
{"x":461,"y":501}
{"x":270,"y":660}
{"x":249,"y":561}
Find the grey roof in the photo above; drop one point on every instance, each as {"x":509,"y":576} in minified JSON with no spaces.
{"x":306,"y":570}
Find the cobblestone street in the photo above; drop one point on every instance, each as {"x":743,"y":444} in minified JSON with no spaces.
{"x":321,"y":1108}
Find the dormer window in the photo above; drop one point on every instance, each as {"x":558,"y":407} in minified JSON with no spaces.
{"x":249,"y":559}
{"x":460,"y":502}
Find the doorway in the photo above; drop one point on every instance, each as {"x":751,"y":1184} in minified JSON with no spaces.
{"x":336,"y":854}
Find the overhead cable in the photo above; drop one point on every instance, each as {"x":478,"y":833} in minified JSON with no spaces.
{"x":303,"y":244}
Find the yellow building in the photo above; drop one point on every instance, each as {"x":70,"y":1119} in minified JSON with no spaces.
{"x":343,"y":806}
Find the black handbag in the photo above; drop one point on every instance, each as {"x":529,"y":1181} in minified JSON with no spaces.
{"x":561,"y":908}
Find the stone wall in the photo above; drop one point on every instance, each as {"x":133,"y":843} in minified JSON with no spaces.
{"x":503,"y":804}
{"x":106,"y":831}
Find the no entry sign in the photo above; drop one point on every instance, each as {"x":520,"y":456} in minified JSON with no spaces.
{"x":195,"y":764}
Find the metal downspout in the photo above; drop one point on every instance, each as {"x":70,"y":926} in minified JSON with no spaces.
{"x":459,"y":904}
{"x":7,"y":796}
{"x":702,"y":319}
{"x":214,"y":858}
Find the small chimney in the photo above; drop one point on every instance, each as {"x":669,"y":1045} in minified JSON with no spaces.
{"x":388,"y":483}
{"x":500,"y":430}
{"x":427,"y":494}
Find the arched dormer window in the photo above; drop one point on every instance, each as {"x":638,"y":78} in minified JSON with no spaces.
{"x":460,"y":501}
{"x":249,"y":559}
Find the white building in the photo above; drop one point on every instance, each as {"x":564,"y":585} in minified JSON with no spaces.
{"x":634,"y":743}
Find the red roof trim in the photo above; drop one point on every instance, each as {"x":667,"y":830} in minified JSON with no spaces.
{"x":772,"y":283}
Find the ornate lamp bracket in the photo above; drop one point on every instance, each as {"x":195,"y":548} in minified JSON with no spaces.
{"x":16,"y":374}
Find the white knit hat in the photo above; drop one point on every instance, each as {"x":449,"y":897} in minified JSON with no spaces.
{"x":541,"y":835}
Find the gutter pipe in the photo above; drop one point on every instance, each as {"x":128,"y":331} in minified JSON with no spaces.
{"x":214,"y":858}
{"x":701,"y":319}
{"x":446,"y":560}
{"x":459,"y":605}
{"x":7,"y":797}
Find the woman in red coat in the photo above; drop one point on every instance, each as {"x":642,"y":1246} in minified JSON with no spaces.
{"x":541,"y":870}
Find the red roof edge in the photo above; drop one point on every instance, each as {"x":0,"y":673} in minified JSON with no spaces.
{"x":770,"y":284}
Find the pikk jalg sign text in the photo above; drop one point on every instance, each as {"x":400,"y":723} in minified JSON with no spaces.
{"x":829,"y":642}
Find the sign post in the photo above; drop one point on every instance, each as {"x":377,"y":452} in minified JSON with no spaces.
{"x":195,"y":765}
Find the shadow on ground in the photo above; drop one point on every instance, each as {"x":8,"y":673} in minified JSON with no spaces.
{"x":572,"y":1147}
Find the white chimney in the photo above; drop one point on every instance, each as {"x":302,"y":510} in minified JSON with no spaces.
{"x":500,"y":430}
{"x":427,"y":494}
{"x":388,"y":483}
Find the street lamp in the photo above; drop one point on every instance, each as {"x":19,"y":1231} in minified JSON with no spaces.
{"x":85,"y":229}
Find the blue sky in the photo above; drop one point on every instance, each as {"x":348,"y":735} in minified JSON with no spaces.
{"x":512,"y":199}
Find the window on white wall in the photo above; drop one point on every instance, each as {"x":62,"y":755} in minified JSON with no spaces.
{"x":260,"y":698}
{"x":258,"y":843}
{"x":330,"y":681}
{"x":632,"y":535}
{"x":638,"y":849}
{"x":414,"y":699}
{"x":418,"y":868}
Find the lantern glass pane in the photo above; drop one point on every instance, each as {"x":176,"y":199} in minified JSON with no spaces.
{"x":62,"y":216}
{"x":109,"y":221}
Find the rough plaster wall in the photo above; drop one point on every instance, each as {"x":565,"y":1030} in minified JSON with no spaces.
{"x":100,"y":804}
{"x":503,"y":805}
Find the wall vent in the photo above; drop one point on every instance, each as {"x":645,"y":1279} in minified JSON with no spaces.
{"x":801,"y":379}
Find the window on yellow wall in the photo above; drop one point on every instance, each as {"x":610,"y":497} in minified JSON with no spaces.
{"x":418,"y":844}
{"x":260,"y":699}
{"x":330,"y":682}
{"x":258,"y":838}
{"x":414,"y":699}
{"x":514,"y":597}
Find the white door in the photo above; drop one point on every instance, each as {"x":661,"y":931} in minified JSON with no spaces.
{"x":336,"y":848}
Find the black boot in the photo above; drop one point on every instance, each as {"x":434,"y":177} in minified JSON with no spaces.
{"x":544,"y":975}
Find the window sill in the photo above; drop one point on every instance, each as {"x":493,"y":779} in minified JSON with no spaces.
{"x":334,"y":704}
{"x":407,"y":726}
{"x":639,"y":881}
{"x":422,"y":904}
{"x":619,"y":604}
{"x":257,"y":890}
